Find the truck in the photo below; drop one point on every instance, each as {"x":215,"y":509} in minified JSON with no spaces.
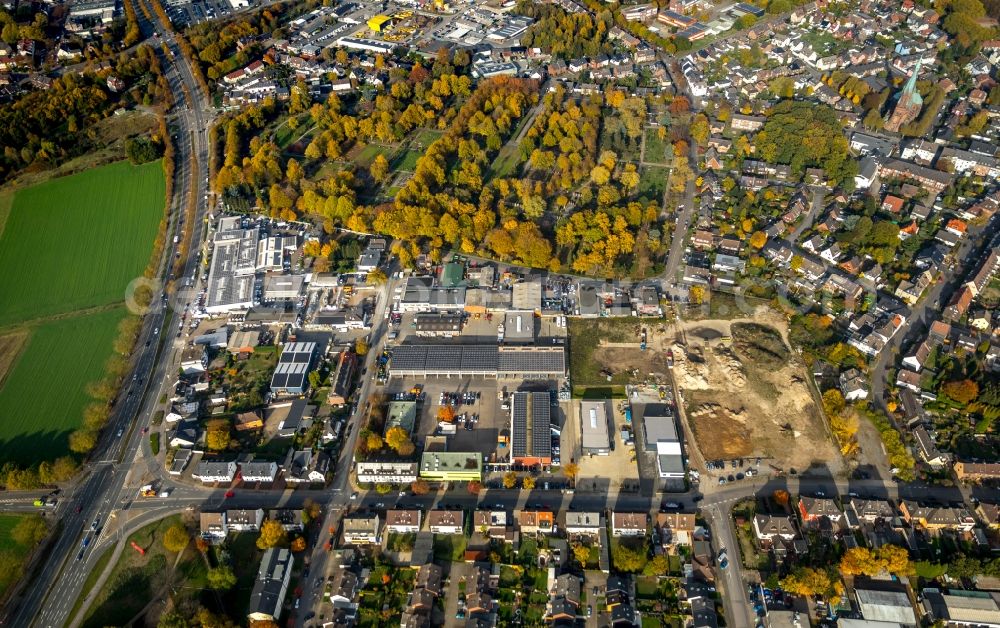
{"x":147,"y":491}
{"x":447,"y":428}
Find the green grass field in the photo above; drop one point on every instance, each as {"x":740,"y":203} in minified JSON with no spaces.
{"x":656,"y":149}
{"x":135,"y":580}
{"x":43,"y":398}
{"x":653,"y":182}
{"x":8,"y":545}
{"x":407,"y":161}
{"x":77,"y":241}
{"x":366,"y":155}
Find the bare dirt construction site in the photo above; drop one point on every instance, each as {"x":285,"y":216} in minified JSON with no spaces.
{"x":745,"y":394}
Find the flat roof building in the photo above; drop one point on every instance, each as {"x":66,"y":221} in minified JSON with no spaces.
{"x":234,"y":262}
{"x":401,"y":414}
{"x":595,"y":438}
{"x":660,"y":435}
{"x":886,"y":603}
{"x":271,"y":585}
{"x":519,"y":327}
{"x":448,"y":466}
{"x":516,"y":362}
{"x":283,"y":287}
{"x":291,"y":375}
{"x":439,"y":324}
{"x":530,"y":428}
{"x":527,"y":295}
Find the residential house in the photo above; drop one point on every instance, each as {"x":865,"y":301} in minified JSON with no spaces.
{"x":494,"y":522}
{"x":771,"y":530}
{"x":402,"y":521}
{"x":186,"y":434}
{"x":977,"y":472}
{"x":870,"y":510}
{"x":244,"y":520}
{"x":936,"y":519}
{"x":343,"y":587}
{"x":289,"y":518}
{"x":446,"y":521}
{"x":989,"y":514}
{"x":210,"y":472}
{"x":387,"y":472}
{"x":927,"y":448}
{"x":535,"y":521}
{"x":213,"y":526}
{"x":629,"y":523}
{"x":306,"y":467}
{"x":676,"y":528}
{"x":259,"y":471}
{"x":564,"y":598}
{"x":813,"y":509}
{"x":583,"y":524}
{"x":362,"y":529}
{"x":429,"y":577}
{"x":853,"y":385}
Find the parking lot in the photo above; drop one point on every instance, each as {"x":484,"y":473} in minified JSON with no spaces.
{"x":615,"y":471}
{"x":189,"y":13}
{"x":478,"y":422}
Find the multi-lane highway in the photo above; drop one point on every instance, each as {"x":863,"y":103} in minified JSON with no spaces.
{"x":49,"y":599}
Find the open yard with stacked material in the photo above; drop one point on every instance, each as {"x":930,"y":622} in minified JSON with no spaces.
{"x":70,"y":247}
{"x":746,"y":395}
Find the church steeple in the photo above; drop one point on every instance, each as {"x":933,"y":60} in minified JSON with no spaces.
{"x":908,"y":104}
{"x":911,"y":83}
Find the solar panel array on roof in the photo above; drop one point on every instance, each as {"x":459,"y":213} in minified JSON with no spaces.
{"x":477,"y":359}
{"x":541,"y":433}
{"x":293,"y":367}
{"x":289,"y":376}
{"x":531,"y":361}
{"x":530,"y":418}
{"x":409,"y":358}
{"x":297,"y":352}
{"x":519,"y":427}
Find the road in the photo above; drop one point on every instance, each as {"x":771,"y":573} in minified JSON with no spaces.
{"x":685,"y":210}
{"x":970,"y":252}
{"x":341,"y":489}
{"x":50,"y":597}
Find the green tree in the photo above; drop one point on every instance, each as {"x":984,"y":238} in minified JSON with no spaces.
{"x":176,"y":538}
{"x":221,"y":578}
{"x":272,"y":534}
{"x":379,"y":169}
{"x":628,"y":555}
{"x":30,"y":531}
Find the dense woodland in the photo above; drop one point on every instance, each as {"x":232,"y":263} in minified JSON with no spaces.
{"x":803,"y":135}
{"x":47,"y":127}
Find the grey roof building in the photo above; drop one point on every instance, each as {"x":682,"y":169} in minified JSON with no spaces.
{"x":485,"y":360}
{"x":291,"y":375}
{"x":271,"y":585}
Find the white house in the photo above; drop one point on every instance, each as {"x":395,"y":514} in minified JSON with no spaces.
{"x":583,"y":524}
{"x":258,"y":471}
{"x":213,"y":472}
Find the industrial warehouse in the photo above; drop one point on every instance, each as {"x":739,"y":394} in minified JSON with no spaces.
{"x":490,"y":361}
